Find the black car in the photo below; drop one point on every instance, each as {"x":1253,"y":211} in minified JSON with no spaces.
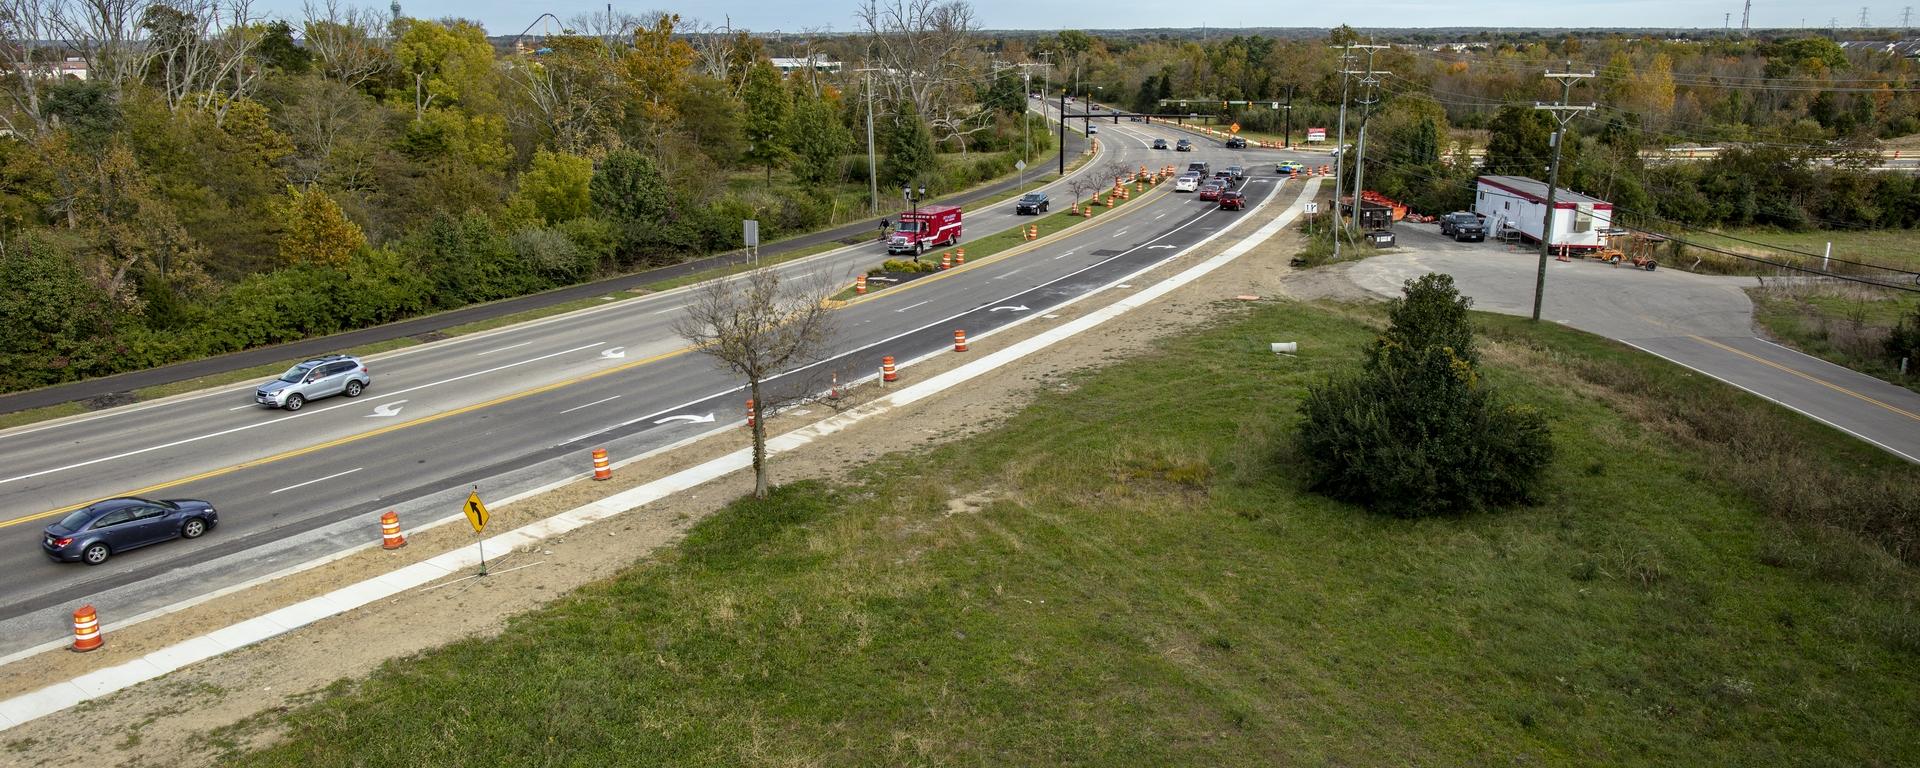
{"x":1236,"y":142}
{"x":1462,"y":226}
{"x":1159,"y":143}
{"x":1034,"y":203}
{"x":1183,"y":146}
{"x":97,"y":531}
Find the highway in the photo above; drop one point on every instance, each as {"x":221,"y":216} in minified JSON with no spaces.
{"x":507,"y":410}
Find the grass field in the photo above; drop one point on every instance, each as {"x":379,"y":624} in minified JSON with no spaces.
{"x":1129,"y":574}
{"x":1886,"y":247}
{"x":1843,"y":324}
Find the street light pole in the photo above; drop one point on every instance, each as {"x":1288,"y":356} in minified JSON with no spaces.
{"x":873,"y":167}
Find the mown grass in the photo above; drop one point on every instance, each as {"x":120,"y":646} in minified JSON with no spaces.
{"x":1128,"y":573}
{"x":1843,"y":324}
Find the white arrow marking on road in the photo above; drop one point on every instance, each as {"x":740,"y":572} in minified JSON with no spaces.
{"x":614,"y":353}
{"x":688,"y":418}
{"x":1021,"y":308}
{"x":1150,"y":247}
{"x":387,"y":409}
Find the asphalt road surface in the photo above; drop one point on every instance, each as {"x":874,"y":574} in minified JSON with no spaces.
{"x":1703,"y":322}
{"x":507,"y":410}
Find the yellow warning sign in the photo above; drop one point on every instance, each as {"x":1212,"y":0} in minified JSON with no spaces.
{"x":476,"y":512}
{"x":1235,"y":128}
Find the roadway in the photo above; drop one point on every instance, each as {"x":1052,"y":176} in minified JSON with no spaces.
{"x":1702,"y":322}
{"x":507,"y":410}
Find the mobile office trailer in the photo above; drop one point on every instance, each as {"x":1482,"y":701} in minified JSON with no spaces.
{"x":1519,"y":204}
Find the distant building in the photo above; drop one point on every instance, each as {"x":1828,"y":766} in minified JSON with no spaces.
{"x":815,"y":62}
{"x":73,"y":66}
{"x":1906,"y":49}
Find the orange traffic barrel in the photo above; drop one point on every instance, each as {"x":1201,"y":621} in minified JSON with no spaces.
{"x":390,"y":537}
{"x":86,"y":630}
{"x":886,"y":369}
{"x":601,"y":469}
{"x":959,"y":341}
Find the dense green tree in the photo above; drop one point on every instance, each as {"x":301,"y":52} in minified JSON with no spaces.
{"x":279,"y":50}
{"x":1520,"y":142}
{"x":629,"y":193}
{"x":908,"y":144}
{"x":768,"y":108}
{"x":818,"y":139}
{"x":556,"y":187}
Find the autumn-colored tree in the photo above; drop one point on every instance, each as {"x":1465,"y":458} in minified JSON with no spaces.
{"x":443,"y":66}
{"x":657,"y":68}
{"x":554,"y":188}
{"x":316,"y":231}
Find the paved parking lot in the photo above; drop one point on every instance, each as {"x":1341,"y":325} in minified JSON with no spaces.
{"x":1703,"y":322}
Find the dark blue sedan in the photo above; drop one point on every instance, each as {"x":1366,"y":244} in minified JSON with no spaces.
{"x":95,"y":532}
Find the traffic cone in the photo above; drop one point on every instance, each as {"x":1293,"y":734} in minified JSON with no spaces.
{"x":390,"y":536}
{"x":946,"y":260}
{"x":959,"y":341}
{"x":887,"y":373}
{"x":860,"y":285}
{"x":86,"y":630}
{"x":601,"y":469}
{"x":959,"y":256}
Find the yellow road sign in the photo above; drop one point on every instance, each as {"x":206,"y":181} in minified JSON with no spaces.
{"x":1235,"y":128}
{"x":476,"y":512}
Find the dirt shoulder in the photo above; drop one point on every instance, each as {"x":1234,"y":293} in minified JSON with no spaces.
{"x":196,"y":715}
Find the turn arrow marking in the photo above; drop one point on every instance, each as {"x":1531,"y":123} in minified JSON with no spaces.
{"x":614,"y":353}
{"x":1021,"y":308}
{"x":688,"y":418}
{"x":387,"y":409}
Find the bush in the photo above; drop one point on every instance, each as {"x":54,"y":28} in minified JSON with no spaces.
{"x":1417,"y":432}
{"x":907,"y":265}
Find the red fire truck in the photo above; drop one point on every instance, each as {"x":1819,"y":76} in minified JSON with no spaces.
{"x":929,"y":227}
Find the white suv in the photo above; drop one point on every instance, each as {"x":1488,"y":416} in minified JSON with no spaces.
{"x":1187,"y":182}
{"x":315,"y":379}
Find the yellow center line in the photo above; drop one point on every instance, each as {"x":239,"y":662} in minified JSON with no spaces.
{"x":297,"y":452}
{"x":1808,"y":377}
{"x":360,"y":436}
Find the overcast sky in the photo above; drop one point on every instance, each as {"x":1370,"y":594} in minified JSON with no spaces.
{"x":504,"y":17}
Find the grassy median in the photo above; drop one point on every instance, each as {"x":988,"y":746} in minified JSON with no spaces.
{"x":1128,"y":574}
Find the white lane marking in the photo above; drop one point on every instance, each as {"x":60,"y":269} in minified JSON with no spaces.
{"x":674,"y":308}
{"x":502,"y":349}
{"x":589,"y":405}
{"x":911,"y":306}
{"x":1157,"y":218}
{"x":248,"y":405}
{"x":316,"y":480}
{"x":387,"y":409}
{"x":1008,"y":273}
{"x":288,"y":417}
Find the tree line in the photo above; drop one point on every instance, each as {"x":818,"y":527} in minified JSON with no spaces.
{"x":218,"y":180}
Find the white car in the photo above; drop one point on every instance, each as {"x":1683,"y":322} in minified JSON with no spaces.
{"x":1187,"y":182}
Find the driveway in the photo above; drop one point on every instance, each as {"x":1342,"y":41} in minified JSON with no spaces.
{"x":1703,"y":322}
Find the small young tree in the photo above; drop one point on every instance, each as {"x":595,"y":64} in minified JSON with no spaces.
{"x":1418,"y":432}
{"x":769,"y":107}
{"x":909,"y":146}
{"x":758,"y":326}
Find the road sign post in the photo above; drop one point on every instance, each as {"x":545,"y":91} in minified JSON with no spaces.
{"x":477,"y":517}
{"x":751,"y":236}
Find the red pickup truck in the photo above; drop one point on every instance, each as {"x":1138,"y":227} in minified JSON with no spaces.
{"x":930,"y":227}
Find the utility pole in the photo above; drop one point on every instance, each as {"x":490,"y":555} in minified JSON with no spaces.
{"x":1063,"y":134}
{"x":1339,"y":153}
{"x":1746,"y":17}
{"x":1906,"y":18}
{"x":1863,"y":17}
{"x":1562,"y":114}
{"x":1360,"y":149}
{"x":1288,"y":137}
{"x":873,"y":166}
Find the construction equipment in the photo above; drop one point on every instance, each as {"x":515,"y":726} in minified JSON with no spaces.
{"x":1636,"y":249}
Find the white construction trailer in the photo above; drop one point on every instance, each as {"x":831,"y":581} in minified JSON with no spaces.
{"x":1517,"y":204}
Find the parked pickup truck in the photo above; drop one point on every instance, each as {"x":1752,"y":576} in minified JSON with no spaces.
{"x":1032,"y":204}
{"x":932,"y":226}
{"x":1462,"y":226}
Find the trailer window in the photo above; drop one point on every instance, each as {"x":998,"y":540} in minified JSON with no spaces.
{"x":1583,"y":219}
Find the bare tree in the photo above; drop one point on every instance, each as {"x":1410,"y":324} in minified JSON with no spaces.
{"x":105,"y":33}
{"x":24,"y":25}
{"x":760,"y":326}
{"x":926,"y":52}
{"x":1082,"y":185}
{"x":345,"y":42}
{"x":202,"y":52}
{"x":572,"y":93}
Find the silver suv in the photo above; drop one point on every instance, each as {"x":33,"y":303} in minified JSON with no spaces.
{"x":315,"y":379}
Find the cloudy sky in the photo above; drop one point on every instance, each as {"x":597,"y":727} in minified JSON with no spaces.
{"x":508,"y":16}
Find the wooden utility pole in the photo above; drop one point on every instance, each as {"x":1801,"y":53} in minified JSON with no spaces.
{"x":1562,"y":114}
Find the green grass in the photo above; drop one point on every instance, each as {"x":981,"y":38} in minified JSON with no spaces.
{"x":35,"y":415}
{"x":1128,"y":573}
{"x":1885,"y":247}
{"x":1845,"y":325}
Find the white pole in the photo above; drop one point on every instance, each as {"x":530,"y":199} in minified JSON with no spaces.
{"x":1828,"y":257}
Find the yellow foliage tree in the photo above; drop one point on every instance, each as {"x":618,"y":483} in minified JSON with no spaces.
{"x":315,"y":231}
